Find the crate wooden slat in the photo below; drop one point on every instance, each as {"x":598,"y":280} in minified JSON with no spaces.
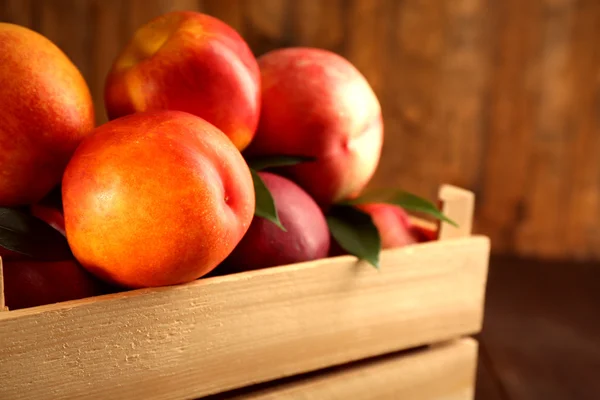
{"x":445,"y":371}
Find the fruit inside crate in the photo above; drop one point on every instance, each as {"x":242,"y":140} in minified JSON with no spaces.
{"x":213,"y":161}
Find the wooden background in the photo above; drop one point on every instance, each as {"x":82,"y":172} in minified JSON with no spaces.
{"x":498,"y":96}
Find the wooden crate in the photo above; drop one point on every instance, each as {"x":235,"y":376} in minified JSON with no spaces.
{"x":218,"y":334}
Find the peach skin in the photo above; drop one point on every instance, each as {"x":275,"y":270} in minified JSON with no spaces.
{"x":265,"y":245}
{"x":315,"y":103}
{"x":46,"y":110}
{"x":156,"y":198}
{"x":191,"y":62}
{"x":31,"y":283}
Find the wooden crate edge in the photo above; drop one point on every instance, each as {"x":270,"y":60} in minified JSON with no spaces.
{"x":387,"y":256}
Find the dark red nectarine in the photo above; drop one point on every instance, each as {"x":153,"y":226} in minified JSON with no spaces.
{"x":266,"y":245}
{"x":34,"y":283}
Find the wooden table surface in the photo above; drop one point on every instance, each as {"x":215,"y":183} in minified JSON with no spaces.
{"x":541,"y":335}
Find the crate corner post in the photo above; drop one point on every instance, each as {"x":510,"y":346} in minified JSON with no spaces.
{"x":458,"y":204}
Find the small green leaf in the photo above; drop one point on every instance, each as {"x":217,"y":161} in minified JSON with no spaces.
{"x":260,"y":163}
{"x":407,"y":201}
{"x":265,"y":204}
{"x":32,"y":237}
{"x":355,"y":232}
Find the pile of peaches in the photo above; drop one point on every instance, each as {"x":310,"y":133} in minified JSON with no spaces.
{"x":213,"y":162}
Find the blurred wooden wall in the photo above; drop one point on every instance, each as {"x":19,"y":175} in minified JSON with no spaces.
{"x":498,"y":96}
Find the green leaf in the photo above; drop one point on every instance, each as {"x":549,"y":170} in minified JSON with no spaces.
{"x":260,"y":163}
{"x":407,"y":201}
{"x":32,"y":237}
{"x":355,"y":232}
{"x":265,"y":205}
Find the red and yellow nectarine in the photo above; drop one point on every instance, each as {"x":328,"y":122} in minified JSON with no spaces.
{"x":156,"y":198}
{"x":316,"y":103}
{"x":191,"y":62}
{"x":46,"y":110}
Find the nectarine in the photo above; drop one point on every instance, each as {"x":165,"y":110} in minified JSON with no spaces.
{"x":393,"y":224}
{"x":30,"y":283}
{"x":316,"y":103}
{"x":6,"y":254}
{"x":191,"y":62}
{"x":265,"y":245}
{"x":156,"y":198}
{"x":46,"y":111}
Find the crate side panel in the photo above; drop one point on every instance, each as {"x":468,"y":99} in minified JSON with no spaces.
{"x":446,"y":371}
{"x":221,"y":333}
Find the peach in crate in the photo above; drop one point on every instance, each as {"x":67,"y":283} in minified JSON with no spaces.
{"x":333,"y":328}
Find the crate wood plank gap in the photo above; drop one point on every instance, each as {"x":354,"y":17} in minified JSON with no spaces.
{"x":222,"y":333}
{"x":445,"y":371}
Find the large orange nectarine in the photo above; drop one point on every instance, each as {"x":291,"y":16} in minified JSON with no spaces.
{"x":265,"y":245}
{"x":316,"y":103}
{"x":156,"y":198}
{"x":46,"y":110}
{"x":191,"y":62}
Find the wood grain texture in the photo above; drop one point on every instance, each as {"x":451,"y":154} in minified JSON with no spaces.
{"x":499,"y":97}
{"x":268,"y":24}
{"x":226,"y":332}
{"x":581,"y":232}
{"x":511,"y":123}
{"x":541,"y":227}
{"x":21,"y":12}
{"x":445,"y":371}
{"x":229,"y":11}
